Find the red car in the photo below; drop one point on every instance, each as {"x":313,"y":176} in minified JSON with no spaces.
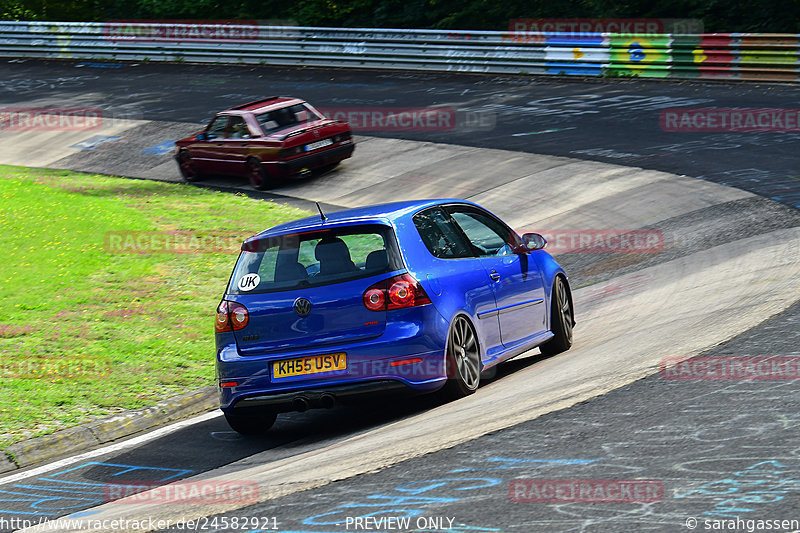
{"x":265,"y":140}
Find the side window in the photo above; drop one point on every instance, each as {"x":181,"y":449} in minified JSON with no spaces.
{"x":441,"y":238}
{"x":487,"y":235}
{"x":237,"y":129}
{"x":217,"y":128}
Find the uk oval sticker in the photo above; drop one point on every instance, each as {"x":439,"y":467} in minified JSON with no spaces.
{"x":248,"y":282}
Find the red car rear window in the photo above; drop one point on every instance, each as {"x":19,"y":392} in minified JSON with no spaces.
{"x":286,"y":117}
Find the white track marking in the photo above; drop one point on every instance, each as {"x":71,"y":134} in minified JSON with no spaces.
{"x":141,"y":439}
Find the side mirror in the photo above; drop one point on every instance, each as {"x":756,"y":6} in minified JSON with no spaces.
{"x":534,"y":241}
{"x":201,"y":137}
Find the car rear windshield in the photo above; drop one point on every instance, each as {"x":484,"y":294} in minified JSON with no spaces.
{"x":285,"y":117}
{"x":315,"y":258}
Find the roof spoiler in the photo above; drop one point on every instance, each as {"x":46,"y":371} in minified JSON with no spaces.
{"x":254,"y":102}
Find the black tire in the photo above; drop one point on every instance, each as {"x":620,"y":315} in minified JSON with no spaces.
{"x":463,"y":360}
{"x":188,"y":167}
{"x":257,"y":174}
{"x":561,"y":320}
{"x":255,"y":424}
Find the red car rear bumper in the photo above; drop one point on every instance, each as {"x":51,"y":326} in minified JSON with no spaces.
{"x":311,"y":161}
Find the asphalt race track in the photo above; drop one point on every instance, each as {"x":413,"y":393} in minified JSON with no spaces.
{"x":614,"y":121}
{"x":542,"y":154}
{"x":698,"y":440}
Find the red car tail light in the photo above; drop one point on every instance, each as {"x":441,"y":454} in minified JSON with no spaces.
{"x":231,"y":316}
{"x":396,"y":292}
{"x":289,"y":152}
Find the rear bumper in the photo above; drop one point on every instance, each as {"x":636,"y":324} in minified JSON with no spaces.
{"x":408,"y":355}
{"x":318,"y":398}
{"x":426,"y":374}
{"x":318,"y":159}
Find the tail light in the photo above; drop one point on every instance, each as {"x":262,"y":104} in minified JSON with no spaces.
{"x":396,"y":292}
{"x":288,"y":152}
{"x":231,"y":316}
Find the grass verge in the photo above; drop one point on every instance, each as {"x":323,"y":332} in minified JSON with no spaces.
{"x":108,"y":290}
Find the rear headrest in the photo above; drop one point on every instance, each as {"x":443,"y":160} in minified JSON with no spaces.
{"x":332,"y":249}
{"x":377,"y":260}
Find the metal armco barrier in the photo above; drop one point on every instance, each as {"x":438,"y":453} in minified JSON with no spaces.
{"x":742,"y":56}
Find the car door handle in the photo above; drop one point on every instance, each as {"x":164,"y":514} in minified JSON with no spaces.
{"x":494,"y":275}
{"x":243,"y":144}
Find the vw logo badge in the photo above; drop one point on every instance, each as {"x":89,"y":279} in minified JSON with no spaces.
{"x":302,"y":307}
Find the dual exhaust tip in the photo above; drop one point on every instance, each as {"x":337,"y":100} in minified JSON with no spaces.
{"x":303,"y":403}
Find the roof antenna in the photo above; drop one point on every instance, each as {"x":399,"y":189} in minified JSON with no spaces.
{"x":321,"y":214}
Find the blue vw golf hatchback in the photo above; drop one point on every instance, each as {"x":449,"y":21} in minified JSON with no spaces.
{"x":420,"y":296}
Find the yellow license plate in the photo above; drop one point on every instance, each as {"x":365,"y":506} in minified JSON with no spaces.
{"x":314,"y":364}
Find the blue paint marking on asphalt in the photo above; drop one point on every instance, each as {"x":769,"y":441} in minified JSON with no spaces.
{"x":99,"y":65}
{"x":67,"y":486}
{"x":131,"y":468}
{"x":522,"y":463}
{"x":400,"y":513}
{"x":94,"y":141}
{"x":391,"y":502}
{"x":760,"y":483}
{"x":36,"y":502}
{"x":160,"y":149}
{"x":475,"y":483}
{"x":39,"y":494}
{"x":381,"y":500}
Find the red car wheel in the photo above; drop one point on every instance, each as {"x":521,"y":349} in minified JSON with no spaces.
{"x":257,"y":175}
{"x":187,"y":167}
